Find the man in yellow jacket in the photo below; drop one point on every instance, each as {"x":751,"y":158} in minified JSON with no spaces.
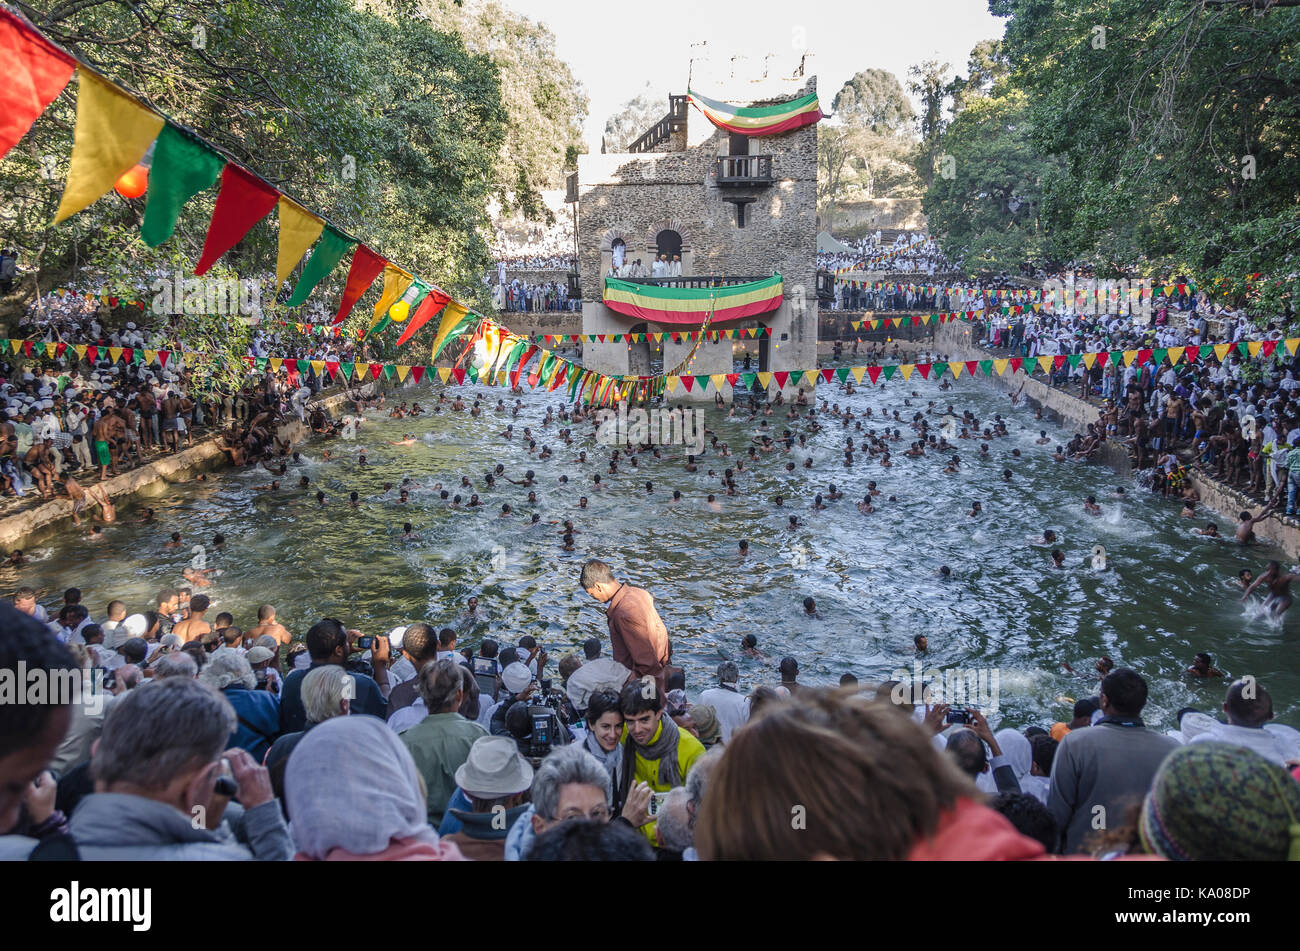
{"x":655,"y":751}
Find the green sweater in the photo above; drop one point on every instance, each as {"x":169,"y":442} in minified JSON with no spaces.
{"x":439,"y":744}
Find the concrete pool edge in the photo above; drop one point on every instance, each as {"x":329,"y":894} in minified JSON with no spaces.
{"x":23,"y":528}
{"x":1215,"y":495}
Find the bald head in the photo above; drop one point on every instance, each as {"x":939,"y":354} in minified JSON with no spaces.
{"x":1248,"y":703}
{"x":967,"y":750}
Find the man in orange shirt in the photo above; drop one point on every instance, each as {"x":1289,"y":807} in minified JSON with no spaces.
{"x":636,"y":632}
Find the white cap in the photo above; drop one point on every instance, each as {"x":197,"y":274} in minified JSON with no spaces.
{"x":516,"y":677}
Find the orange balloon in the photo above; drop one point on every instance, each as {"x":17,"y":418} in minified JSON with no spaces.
{"x":133,"y":183}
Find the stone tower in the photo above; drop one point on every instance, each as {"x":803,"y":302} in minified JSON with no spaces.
{"x":737,"y":208}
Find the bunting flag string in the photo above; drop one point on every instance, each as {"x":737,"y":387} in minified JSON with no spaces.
{"x":499,"y":356}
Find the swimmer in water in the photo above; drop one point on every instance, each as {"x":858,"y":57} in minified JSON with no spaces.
{"x":354,"y":499}
{"x":921,"y":643}
{"x":1091,"y":507}
{"x":1047,"y":538}
{"x":408,"y":533}
{"x":865,"y":506}
{"x":175,"y":541}
{"x":744,"y":548}
{"x":810,"y":608}
{"x":749,"y":647}
{"x":1244,"y":577}
{"x":1279,"y":588}
{"x":976,"y":510}
{"x":1211,"y":530}
{"x":408,"y":439}
{"x":1203,"y":666}
{"x":1188,"y":510}
{"x":1246,"y":526}
{"x":1058,"y":558}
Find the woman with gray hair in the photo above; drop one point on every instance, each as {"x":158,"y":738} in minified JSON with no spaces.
{"x":258,"y":712}
{"x":326,"y":693}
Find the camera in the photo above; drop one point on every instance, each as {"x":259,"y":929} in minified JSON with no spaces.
{"x":656,"y":800}
{"x":957,"y":716}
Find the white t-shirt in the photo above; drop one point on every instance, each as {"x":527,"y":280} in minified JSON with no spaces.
{"x":1273,"y":741}
{"x":731,"y":707}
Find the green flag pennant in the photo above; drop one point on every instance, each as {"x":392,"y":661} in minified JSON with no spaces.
{"x":1159,"y":355}
{"x":936,"y":369}
{"x":260,"y":363}
{"x":347,"y":369}
{"x":889,"y":371}
{"x":471,"y":371}
{"x":1117,"y":358}
{"x":324,"y":258}
{"x":378,"y":328}
{"x":182,"y":167}
{"x":748,"y":380}
{"x":618,"y":338}
{"x":575,"y":378}
{"x":1207,"y":351}
{"x":702,"y":382}
{"x":303,"y":365}
{"x":842,"y":374}
{"x":39,"y":348}
{"x":1244,"y":348}
{"x":389,"y":370}
{"x":986,"y":367}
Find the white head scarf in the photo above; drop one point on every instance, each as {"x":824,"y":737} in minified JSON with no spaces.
{"x":351,"y":784}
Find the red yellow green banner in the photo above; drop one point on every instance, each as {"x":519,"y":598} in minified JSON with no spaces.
{"x":693,"y":305}
{"x":759,"y":120}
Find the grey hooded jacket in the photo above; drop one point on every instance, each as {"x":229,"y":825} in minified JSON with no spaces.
{"x":117,"y":827}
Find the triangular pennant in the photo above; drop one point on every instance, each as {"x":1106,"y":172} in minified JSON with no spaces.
{"x":1158,"y":355}
{"x":318,"y":367}
{"x":764,"y":379}
{"x":1221,"y":350}
{"x":1129,"y":357}
{"x":1291,"y":344}
{"x":365,"y":267}
{"x":893,"y":368}
{"x":907,"y":368}
{"x":429,"y":308}
{"x":396,"y":281}
{"x":243,"y":201}
{"x":324,"y":258}
{"x":1176,"y":354}
{"x":111,"y":135}
{"x":873,"y":372}
{"x":1016,"y":364}
{"x":81,"y":351}
{"x":276,"y":363}
{"x":1045,"y":363}
{"x":1252,"y":347}
{"x":417,"y":373}
{"x":781,"y":377}
{"x":1089,"y":359}
{"x":182,"y":167}
{"x":299,"y":230}
{"x":35,"y":73}
{"x":1000,"y":365}
{"x":857,"y":373}
{"x":444,"y":373}
{"x":115,"y":353}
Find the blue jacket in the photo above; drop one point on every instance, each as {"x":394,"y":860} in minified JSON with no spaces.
{"x":293,"y":717}
{"x":259,"y":719}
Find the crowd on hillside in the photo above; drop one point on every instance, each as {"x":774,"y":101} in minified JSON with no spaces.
{"x":1238,"y":418}
{"x":534,"y":296}
{"x":488,"y":756}
{"x":536,"y":247}
{"x":912,"y":252}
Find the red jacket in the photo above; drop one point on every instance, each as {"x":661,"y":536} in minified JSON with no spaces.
{"x":975,"y":833}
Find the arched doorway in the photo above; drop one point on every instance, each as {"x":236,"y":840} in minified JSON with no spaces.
{"x":668,"y":242}
{"x":618,"y":252}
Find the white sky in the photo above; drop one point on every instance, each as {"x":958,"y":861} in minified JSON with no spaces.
{"x":615,"y":47}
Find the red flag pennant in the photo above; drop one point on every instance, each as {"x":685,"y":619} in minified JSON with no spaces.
{"x":1190,"y":354}
{"x":1144,"y":355}
{"x":458,"y":374}
{"x":828,"y":375}
{"x":163,"y":357}
{"x":925,"y":370}
{"x":35,"y":72}
{"x":688,"y":381}
{"x":128,"y":355}
{"x":376,"y":369}
{"x":732,"y":378}
{"x":1267,"y":347}
{"x":417,"y":374}
{"x":874,"y":373}
{"x":58,"y":350}
{"x":332,"y":368}
{"x":27,"y":348}
{"x":243,"y":201}
{"x":429,"y":308}
{"x":92,"y":352}
{"x":1016,"y":364}
{"x":1059,"y":361}
{"x":365,"y":267}
{"x":972,"y":366}
{"x":781,"y":378}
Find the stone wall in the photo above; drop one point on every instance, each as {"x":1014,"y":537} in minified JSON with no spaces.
{"x":634,"y":196}
{"x":857,"y":218}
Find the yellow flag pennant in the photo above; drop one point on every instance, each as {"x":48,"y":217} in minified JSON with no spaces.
{"x":115,"y":353}
{"x":764,"y":379}
{"x":112,"y":134}
{"x":1253,"y":347}
{"x":16,"y":344}
{"x":402,"y":370}
{"x":191,"y":359}
{"x":81,"y":351}
{"x":299,"y":230}
{"x":1129,"y":357}
{"x":1221,"y":349}
{"x":444,"y":373}
{"x":1175,"y":354}
{"x":1089,"y":359}
{"x":717,"y":379}
{"x":1000,"y":365}
{"x":1292,"y":343}
{"x":956,"y":366}
{"x":276,"y":363}
{"x":396,"y":281}
{"x":1045,"y":364}
{"x":451,"y":318}
{"x":906,"y":369}
{"x":896,"y":320}
{"x":318,"y":367}
{"x":858,"y":373}
{"x":670,"y":383}
{"x":150,"y":356}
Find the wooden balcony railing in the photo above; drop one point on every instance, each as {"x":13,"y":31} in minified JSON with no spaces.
{"x":744,"y":170}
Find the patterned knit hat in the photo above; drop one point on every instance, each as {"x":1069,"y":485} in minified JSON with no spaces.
{"x":1215,"y":802}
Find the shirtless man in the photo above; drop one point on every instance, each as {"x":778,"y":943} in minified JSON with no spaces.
{"x":1279,"y":588}
{"x":194,"y":627}
{"x":83,"y":497}
{"x":267,"y":624}
{"x":102,"y":433}
{"x":1246,"y":527}
{"x":40,"y":463}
